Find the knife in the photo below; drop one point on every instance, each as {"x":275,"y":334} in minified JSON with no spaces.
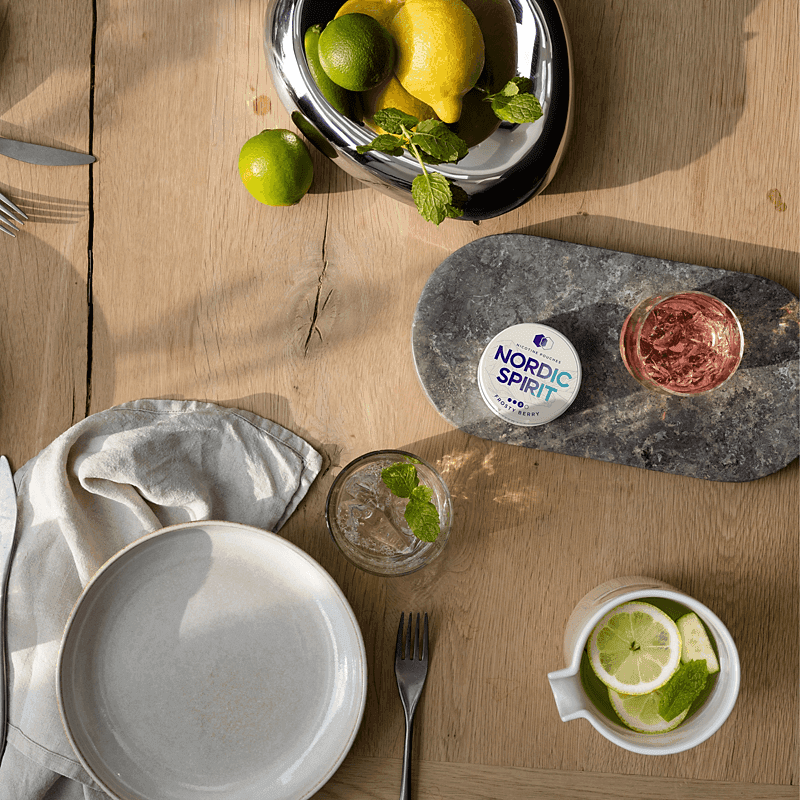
{"x":39,"y":154}
{"x":8,"y":525}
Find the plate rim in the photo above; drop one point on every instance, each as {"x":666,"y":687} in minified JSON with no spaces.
{"x":160,"y":533}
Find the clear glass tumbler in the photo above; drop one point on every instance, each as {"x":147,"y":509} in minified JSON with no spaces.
{"x":685,"y":343}
{"x":367,"y":521}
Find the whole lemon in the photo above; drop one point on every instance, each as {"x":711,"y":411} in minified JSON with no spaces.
{"x":440,"y":53}
{"x":499,"y":28}
{"x":381,"y":10}
{"x":391,"y":94}
{"x":276,"y":167}
{"x":356,"y":52}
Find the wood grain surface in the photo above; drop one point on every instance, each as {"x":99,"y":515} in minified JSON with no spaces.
{"x":153,"y":273}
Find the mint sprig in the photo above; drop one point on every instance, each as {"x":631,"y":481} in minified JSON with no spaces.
{"x":430,"y":141}
{"x":682,"y":689}
{"x":514,"y":102}
{"x":421,"y":514}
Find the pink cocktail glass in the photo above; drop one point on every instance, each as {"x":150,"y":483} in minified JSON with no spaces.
{"x":681,"y":344}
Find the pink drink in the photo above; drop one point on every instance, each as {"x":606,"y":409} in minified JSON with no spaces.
{"x":684,"y":343}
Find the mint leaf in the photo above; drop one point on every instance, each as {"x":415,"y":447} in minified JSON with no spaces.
{"x":426,"y":158}
{"x":400,"y":478}
{"x":517,"y":85}
{"x":422,"y":493}
{"x":682,"y":689}
{"x":392,"y":120}
{"x":514,"y":102}
{"x":421,"y":514}
{"x":519,"y":108}
{"x":432,"y":194}
{"x":436,"y":139}
{"x":384,"y":143}
{"x":423,"y":519}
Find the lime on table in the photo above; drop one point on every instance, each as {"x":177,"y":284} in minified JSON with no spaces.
{"x":356,"y":52}
{"x":635,"y":648}
{"x":640,"y":712}
{"x":276,"y":167}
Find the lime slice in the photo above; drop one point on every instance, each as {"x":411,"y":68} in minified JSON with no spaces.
{"x":696,"y":644}
{"x":640,"y":712}
{"x":635,"y":648}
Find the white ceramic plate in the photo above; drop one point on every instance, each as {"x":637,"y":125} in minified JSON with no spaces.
{"x":211,"y":660}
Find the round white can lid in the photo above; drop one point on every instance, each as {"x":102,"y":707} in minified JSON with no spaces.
{"x":529,"y":374}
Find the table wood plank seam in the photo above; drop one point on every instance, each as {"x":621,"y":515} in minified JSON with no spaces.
{"x":90,"y":222}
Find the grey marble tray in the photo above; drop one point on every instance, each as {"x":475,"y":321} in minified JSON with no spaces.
{"x":748,"y":428}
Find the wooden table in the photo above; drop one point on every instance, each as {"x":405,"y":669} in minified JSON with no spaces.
{"x":154,"y":274}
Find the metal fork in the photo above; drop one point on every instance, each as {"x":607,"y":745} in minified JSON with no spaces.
{"x":10,"y":216}
{"x":411,"y":669}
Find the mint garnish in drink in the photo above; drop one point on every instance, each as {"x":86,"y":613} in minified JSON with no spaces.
{"x":682,"y":689}
{"x":421,"y":514}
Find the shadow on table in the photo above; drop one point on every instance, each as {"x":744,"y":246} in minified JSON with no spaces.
{"x":652,"y":93}
{"x":47,"y":325}
{"x":640,"y":238}
{"x":142,"y":43}
{"x":47,"y":209}
{"x":25,"y":71}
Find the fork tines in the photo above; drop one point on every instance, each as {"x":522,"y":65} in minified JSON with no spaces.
{"x":404,"y":647}
{"x":10,"y":216}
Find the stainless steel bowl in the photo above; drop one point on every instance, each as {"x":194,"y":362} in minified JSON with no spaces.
{"x":498,"y":175}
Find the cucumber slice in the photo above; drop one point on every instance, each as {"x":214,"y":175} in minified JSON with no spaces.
{"x":696,"y":644}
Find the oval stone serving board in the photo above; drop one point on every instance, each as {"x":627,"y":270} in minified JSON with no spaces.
{"x":748,"y":428}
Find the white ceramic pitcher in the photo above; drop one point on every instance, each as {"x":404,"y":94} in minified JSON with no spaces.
{"x":573,"y":703}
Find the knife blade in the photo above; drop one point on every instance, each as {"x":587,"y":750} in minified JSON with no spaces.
{"x":8,"y":526}
{"x":39,"y":154}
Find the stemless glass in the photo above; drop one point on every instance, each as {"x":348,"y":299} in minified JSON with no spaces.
{"x":366,"y":521}
{"x":684,"y":343}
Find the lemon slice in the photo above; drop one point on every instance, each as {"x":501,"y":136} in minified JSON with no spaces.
{"x":635,"y":648}
{"x":640,"y":712}
{"x":696,"y":644}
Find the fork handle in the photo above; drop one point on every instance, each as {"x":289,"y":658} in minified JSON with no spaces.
{"x":405,"y":779}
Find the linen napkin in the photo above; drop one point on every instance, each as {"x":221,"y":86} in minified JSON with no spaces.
{"x":107,"y":481}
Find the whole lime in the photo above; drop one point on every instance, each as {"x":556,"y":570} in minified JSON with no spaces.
{"x":342,"y":100}
{"x":276,"y":167}
{"x":356,"y":52}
